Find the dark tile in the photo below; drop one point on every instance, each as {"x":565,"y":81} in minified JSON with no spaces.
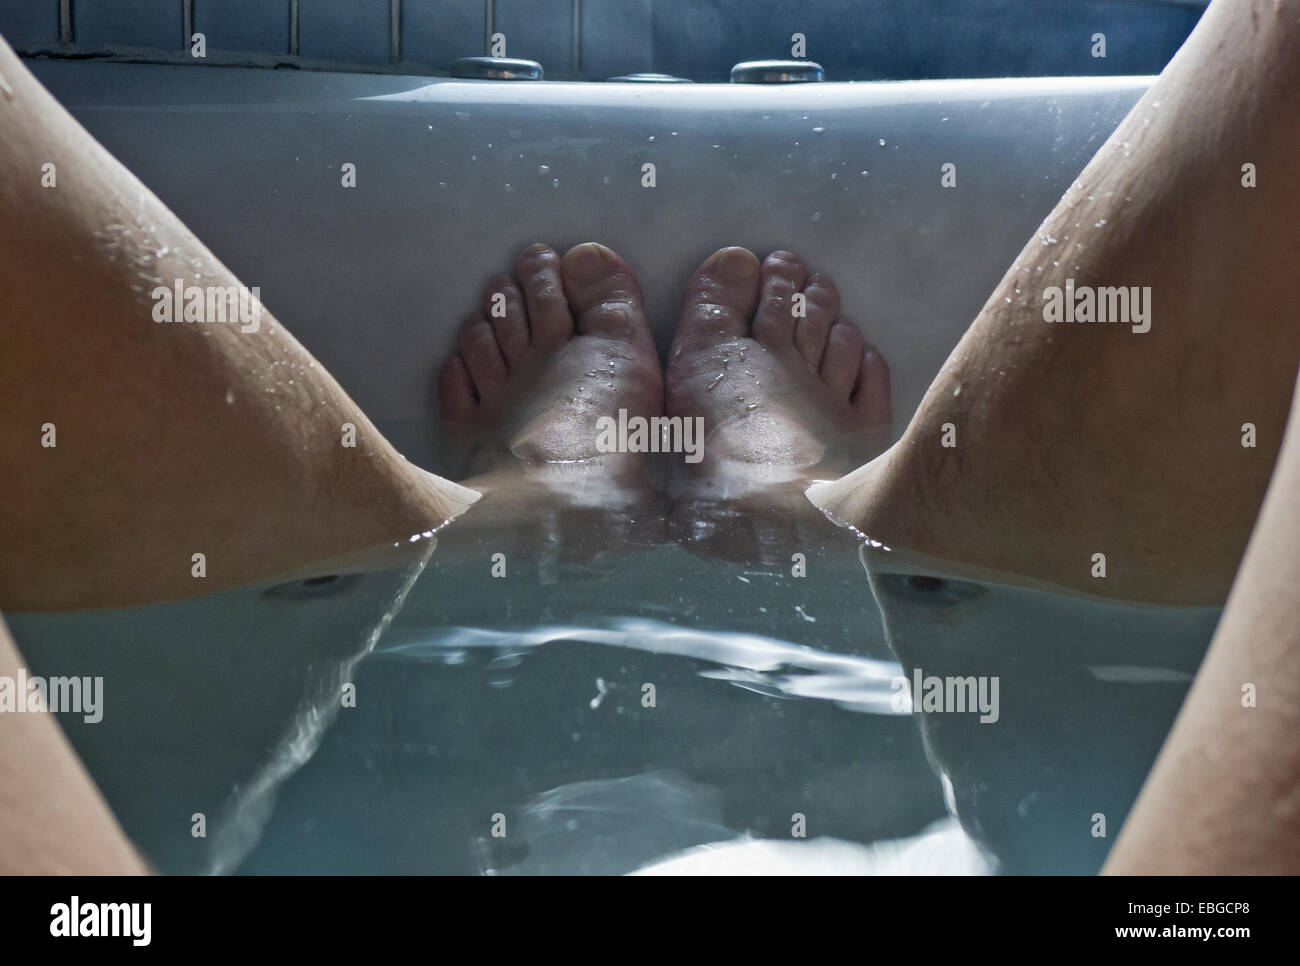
{"x":29,"y":21}
{"x":540,"y":30}
{"x":129,"y":23}
{"x":349,"y":31}
{"x":436,"y":32}
{"x":256,"y":25}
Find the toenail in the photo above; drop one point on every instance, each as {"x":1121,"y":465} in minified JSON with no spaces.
{"x":584,"y":263}
{"x":537,"y":248}
{"x":736,"y":265}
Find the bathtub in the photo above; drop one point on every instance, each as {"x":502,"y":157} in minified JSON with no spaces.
{"x":454,"y":178}
{"x":528,"y":706}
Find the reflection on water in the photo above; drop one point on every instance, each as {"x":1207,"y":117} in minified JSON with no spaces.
{"x":689,"y":690}
{"x":942,"y":849}
{"x":550,"y":727}
{"x":1088,"y":690}
{"x":211,"y":703}
{"x":626,"y":691}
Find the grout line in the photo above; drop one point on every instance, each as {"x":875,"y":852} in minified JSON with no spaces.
{"x":293,"y":28}
{"x":491,"y":21}
{"x":65,"y":22}
{"x":575,"y":55}
{"x":395,"y":31}
{"x":188,"y":25}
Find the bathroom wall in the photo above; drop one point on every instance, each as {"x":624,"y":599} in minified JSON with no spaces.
{"x":598,"y":39}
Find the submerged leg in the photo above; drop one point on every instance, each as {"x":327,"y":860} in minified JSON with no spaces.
{"x":52,"y":818}
{"x":1224,"y":796}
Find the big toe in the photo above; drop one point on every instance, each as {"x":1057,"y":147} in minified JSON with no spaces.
{"x":720,"y":298}
{"x":603,"y":293}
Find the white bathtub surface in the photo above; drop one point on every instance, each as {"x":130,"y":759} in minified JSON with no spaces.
{"x":454,"y":178}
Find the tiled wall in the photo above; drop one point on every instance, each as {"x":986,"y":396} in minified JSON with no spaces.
{"x":436,"y":32}
{"x":353,"y":34}
{"x":699,"y":39}
{"x":238,"y":25}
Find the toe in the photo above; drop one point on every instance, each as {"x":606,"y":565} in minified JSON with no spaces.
{"x":842,"y":360}
{"x":482,"y":355}
{"x":549,"y":320}
{"x":783,"y":276}
{"x":604,"y":293}
{"x":456,"y":400}
{"x":871,"y":390}
{"x":503,"y":305}
{"x":821,"y":310}
{"x":720,"y":298}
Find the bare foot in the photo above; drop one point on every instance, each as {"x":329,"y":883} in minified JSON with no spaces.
{"x":562,"y":344}
{"x":782,"y":385}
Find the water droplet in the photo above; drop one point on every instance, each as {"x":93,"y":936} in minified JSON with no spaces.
{"x":543,"y":168}
{"x":819,"y":130}
{"x":650,"y":138}
{"x":816,"y":216}
{"x":510,"y":187}
{"x":882,"y":142}
{"x":1099,"y":223}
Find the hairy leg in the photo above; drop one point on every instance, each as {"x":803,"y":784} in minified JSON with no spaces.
{"x":170,"y":438}
{"x":1075,"y":439}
